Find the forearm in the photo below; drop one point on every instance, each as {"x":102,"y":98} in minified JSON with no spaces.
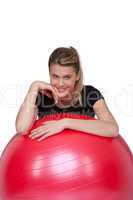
{"x":27,"y":112}
{"x":96,"y":127}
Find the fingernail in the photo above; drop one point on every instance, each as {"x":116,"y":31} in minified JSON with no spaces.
{"x":39,"y":140}
{"x":30,"y":135}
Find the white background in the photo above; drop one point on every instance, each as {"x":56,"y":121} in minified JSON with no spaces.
{"x":102,"y":32}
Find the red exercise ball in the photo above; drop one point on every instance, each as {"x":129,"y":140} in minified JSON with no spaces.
{"x":71,"y":165}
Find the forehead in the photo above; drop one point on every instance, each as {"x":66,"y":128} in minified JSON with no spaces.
{"x":58,"y":69}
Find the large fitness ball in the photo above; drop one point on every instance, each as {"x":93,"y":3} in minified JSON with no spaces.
{"x":71,"y":165}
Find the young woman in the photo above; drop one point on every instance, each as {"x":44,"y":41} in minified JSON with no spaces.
{"x":65,"y":93}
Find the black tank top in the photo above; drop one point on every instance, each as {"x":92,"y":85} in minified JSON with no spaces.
{"x":89,"y":96}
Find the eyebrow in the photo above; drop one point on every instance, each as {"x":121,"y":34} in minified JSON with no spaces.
{"x":53,"y":74}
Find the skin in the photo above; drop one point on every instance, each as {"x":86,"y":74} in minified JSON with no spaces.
{"x":62,"y":77}
{"x":63,"y":80}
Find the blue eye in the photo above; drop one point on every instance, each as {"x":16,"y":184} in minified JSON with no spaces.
{"x":67,"y":77}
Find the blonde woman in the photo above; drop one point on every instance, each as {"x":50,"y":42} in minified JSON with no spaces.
{"x":65,"y":93}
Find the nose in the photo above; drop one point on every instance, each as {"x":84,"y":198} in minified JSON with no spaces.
{"x":61,"y":83}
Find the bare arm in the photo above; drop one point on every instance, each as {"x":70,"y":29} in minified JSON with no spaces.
{"x":94,"y":127}
{"x":106,"y":124}
{"x":28,"y":111}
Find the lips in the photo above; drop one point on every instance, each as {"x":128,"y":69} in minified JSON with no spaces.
{"x":61,"y":90}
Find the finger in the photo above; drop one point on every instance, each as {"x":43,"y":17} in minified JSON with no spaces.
{"x":45,"y":92}
{"x":43,"y":137}
{"x":50,"y":92}
{"x":38,"y":135}
{"x":34,"y":131}
{"x":56,"y":90}
{"x":38,"y":128}
{"x":38,"y":132}
{"x":55,"y":94}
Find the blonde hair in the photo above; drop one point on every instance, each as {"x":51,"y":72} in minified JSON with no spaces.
{"x":69,"y":57}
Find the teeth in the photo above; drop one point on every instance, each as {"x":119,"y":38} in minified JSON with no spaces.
{"x":61,"y":90}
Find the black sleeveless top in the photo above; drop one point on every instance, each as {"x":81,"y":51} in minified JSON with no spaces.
{"x":89,"y":95}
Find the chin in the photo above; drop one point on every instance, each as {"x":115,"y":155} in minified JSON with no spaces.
{"x":64,"y":96}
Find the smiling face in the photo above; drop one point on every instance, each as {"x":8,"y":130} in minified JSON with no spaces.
{"x":64,"y":79}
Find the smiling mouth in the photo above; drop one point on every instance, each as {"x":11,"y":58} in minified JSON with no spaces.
{"x":61,"y":90}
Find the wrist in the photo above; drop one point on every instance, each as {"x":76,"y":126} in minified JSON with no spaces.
{"x":34,"y":89}
{"x":36,"y":85}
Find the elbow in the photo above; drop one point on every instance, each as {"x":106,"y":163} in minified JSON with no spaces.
{"x":22,"y":127}
{"x":115,"y":131}
{"x":21,"y":130}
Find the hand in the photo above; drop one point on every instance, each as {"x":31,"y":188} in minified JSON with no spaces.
{"x":45,"y":88}
{"x":48,"y":128}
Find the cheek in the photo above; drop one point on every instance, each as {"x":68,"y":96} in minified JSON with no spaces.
{"x":71,"y":84}
{"x":68,"y":83}
{"x":53,"y":82}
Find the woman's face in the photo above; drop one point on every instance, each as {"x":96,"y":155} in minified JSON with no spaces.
{"x":63,"y":78}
